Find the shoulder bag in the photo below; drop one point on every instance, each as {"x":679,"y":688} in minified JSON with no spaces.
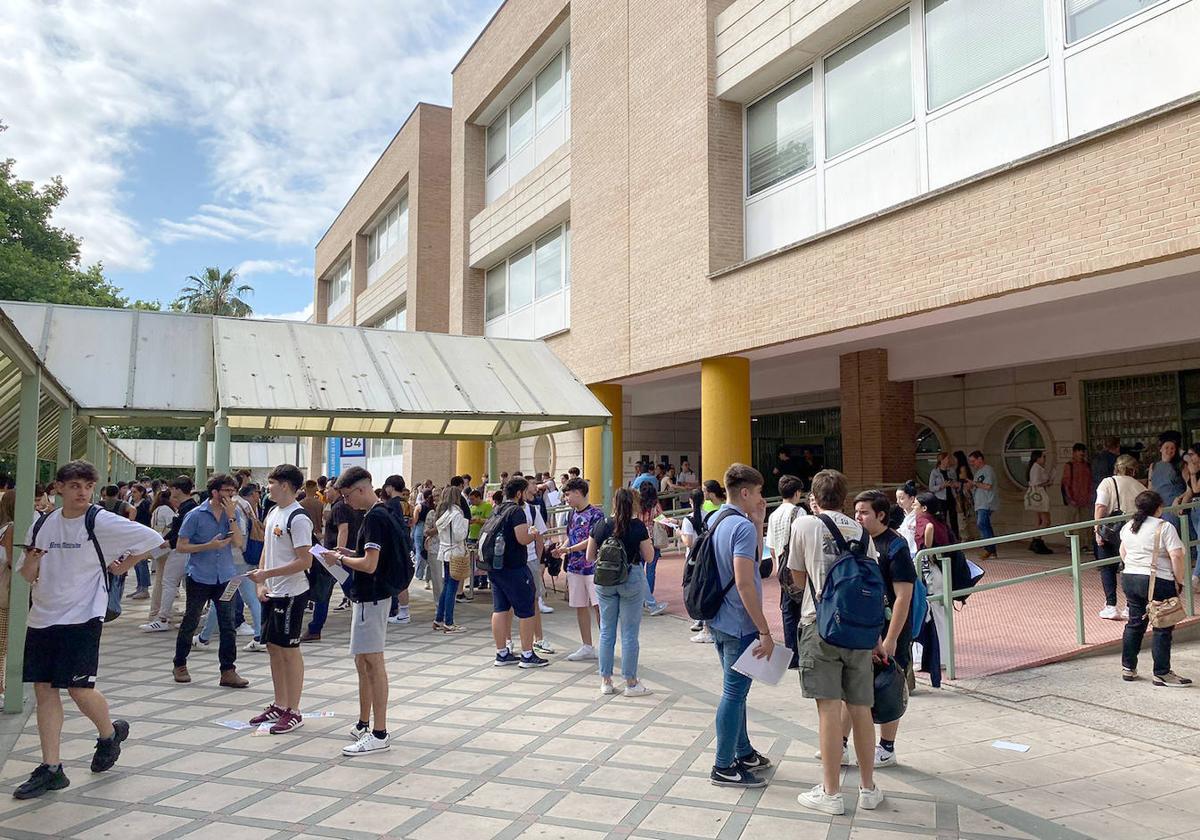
{"x":1169,"y":611}
{"x":1110,"y":532}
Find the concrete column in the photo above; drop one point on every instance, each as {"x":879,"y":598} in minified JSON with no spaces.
{"x":18,"y":598}
{"x":470,"y":458}
{"x":200,"y":477}
{"x":603,"y":472}
{"x":606,"y":459}
{"x":493,"y":462}
{"x":221,"y":446}
{"x":724,"y":415}
{"x":879,"y":442}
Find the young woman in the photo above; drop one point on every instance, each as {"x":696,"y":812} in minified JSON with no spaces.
{"x":1191,"y":478}
{"x":648,"y":509}
{"x":962,"y":496}
{"x":943,"y":483}
{"x":162,"y":514}
{"x":452,"y":529}
{"x":1037,"y":498}
{"x":1166,"y":476}
{"x":932,"y":532}
{"x":1149,"y":545}
{"x":621,"y":605}
{"x":906,"y":498}
{"x":8,"y":503}
{"x":421,"y":513}
{"x":1117,"y":492}
{"x":691,"y":527}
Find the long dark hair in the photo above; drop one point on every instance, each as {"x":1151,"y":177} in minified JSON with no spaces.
{"x":697,"y":514}
{"x":960,"y":460}
{"x":648,"y":498}
{"x":1147,"y":503}
{"x":622,"y":511}
{"x":163,"y":498}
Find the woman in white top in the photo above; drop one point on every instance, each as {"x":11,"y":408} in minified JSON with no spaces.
{"x":1114,"y":494}
{"x":8,"y":503}
{"x":161,"y":517}
{"x":906,"y":498}
{"x":1037,"y":498}
{"x":1150,"y":546}
{"x":452,"y":529}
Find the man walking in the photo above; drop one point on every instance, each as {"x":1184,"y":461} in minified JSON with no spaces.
{"x":983,"y":489}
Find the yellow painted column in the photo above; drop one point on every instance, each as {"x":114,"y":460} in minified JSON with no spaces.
{"x":471,"y":459}
{"x":724,"y":415}
{"x":611,"y":397}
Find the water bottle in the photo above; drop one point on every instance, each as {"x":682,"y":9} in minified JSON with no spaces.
{"x":498,"y":551}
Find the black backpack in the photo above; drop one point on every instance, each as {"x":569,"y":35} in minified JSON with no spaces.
{"x":705,"y":593}
{"x":787,"y":587}
{"x":110,"y":580}
{"x":491,"y":530}
{"x":399,"y":574}
{"x":689,"y":563}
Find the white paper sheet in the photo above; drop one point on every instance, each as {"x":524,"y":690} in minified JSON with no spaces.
{"x":231,"y":588}
{"x":339,"y":573}
{"x":770,"y":670}
{"x":1009,"y":745}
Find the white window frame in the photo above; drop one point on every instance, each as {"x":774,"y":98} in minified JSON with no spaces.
{"x":340,"y":282}
{"x":381,"y":323}
{"x":505,"y":114}
{"x":398,"y":248}
{"x":795,"y":176}
{"x":1066,"y":22}
{"x":564,"y":233}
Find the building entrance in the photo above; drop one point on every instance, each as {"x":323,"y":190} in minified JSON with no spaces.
{"x":817,"y":430}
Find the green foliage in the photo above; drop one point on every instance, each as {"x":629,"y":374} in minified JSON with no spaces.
{"x":214,"y":293}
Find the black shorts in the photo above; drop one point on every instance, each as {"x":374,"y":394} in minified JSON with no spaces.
{"x":64,"y":655}
{"x":513,"y":589}
{"x":283,"y":620}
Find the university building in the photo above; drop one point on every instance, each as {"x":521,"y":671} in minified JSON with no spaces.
{"x":869,"y":228}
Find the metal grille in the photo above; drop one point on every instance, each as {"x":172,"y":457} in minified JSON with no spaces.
{"x":1134,"y":408}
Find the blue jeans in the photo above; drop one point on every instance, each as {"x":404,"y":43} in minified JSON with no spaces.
{"x":422,"y":559}
{"x":621,"y":605}
{"x":733,"y":741}
{"x":250,"y":598}
{"x":445,"y":607}
{"x":142,"y":570}
{"x":651,"y":569}
{"x":983,"y":520}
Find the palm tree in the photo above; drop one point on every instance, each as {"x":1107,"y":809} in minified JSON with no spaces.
{"x":215,"y":293}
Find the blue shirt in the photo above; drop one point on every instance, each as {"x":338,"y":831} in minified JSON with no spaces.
{"x":735,"y":536}
{"x":201,"y":526}
{"x":644,"y":478}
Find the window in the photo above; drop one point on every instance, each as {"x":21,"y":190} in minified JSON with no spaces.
{"x":550,"y":92}
{"x":928,"y":447}
{"x":384,"y":448}
{"x":779,"y":133}
{"x":1086,"y":17}
{"x":868,"y":86}
{"x":520,"y":279}
{"x":494,"y":293}
{"x":1022,"y":439}
{"x":533,"y":274}
{"x":397,"y":319}
{"x":339,"y":287}
{"x":391,"y":232}
{"x":497,"y":143}
{"x":549,"y":264}
{"x":520,"y":119}
{"x":971,"y":43}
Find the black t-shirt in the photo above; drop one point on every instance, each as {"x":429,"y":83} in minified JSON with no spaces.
{"x":895,"y":561}
{"x":635,"y":534}
{"x":516,"y":556}
{"x":341,"y":513}
{"x":142,"y":513}
{"x":185,"y":507}
{"x":377,"y":532}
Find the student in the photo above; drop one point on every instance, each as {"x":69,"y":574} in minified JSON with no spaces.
{"x":395,"y":493}
{"x":378,"y":548}
{"x":510,"y":578}
{"x":687,"y":478}
{"x":983,"y":491}
{"x":1078,"y":490}
{"x":140,"y":500}
{"x":182,"y":502}
{"x":480,"y":511}
{"x":452,"y":527}
{"x":205,"y":537}
{"x":283,"y":589}
{"x":778,"y":540}
{"x":736,"y":532}
{"x":871,"y":509}
{"x":649,"y":509}
{"x":828,"y":674}
{"x":581,"y":587}
{"x":68,"y":599}
{"x":691,"y":527}
{"x":645,"y":476}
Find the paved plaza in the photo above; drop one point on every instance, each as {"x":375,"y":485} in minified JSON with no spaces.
{"x":482,"y":752}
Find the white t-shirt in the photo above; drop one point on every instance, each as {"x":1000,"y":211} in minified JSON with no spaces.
{"x":164,"y":515}
{"x":70,"y":585}
{"x":533,"y":515}
{"x":1138,"y":547}
{"x":1121,"y":496}
{"x":813,"y":551}
{"x":278,"y":550}
{"x":779,"y":527}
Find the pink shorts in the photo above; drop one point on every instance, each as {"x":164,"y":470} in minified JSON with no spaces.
{"x":581,"y":590}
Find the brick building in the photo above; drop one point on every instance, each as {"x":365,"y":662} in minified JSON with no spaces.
{"x":869,"y":228}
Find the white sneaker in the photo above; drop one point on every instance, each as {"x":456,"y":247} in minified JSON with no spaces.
{"x":584,"y":652}
{"x":870,"y":799}
{"x":638,"y":690}
{"x":545,"y":608}
{"x":198,"y":642}
{"x":399,"y":619}
{"x":703,"y":638}
{"x":1110,"y":613}
{"x":245,"y":629}
{"x":253,"y":646}
{"x":368,"y":743}
{"x":884,"y":758}
{"x":607,"y":688}
{"x":1125,"y":614}
{"x":818,"y":800}
{"x":542,"y":646}
{"x":155,"y":626}
{"x":698,"y":626}
{"x":659,"y":608}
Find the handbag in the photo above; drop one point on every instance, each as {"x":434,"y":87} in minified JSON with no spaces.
{"x":1169,"y":611}
{"x":1035,"y":500}
{"x":460,"y":564}
{"x":1110,"y":532}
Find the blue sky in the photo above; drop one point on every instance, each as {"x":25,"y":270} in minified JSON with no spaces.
{"x":216,"y":132}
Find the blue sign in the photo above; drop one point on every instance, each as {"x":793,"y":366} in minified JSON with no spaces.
{"x":333,"y":456}
{"x":354,"y":447}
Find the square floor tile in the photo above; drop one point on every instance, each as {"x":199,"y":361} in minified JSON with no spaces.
{"x":422,"y":786}
{"x":287,"y":807}
{"x":136,"y":825}
{"x":55,"y":819}
{"x":605,"y":810}
{"x":369,"y":816}
{"x":229,"y":831}
{"x":686,"y":819}
{"x":344,"y":777}
{"x":129,"y":788}
{"x":497,"y":796}
{"x":271,"y":770}
{"x":209,"y":796}
{"x":449,"y":825}
{"x":762,"y":826}
{"x":546,"y":831}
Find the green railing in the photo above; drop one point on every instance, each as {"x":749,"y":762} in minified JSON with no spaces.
{"x":1076,"y":569}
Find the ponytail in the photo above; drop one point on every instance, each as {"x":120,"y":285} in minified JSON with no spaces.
{"x":1147,"y":503}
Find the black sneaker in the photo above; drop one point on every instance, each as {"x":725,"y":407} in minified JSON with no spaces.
{"x":531,"y":660}
{"x":108,"y":750}
{"x":735,"y":777}
{"x":506,"y":658}
{"x":41,"y":780}
{"x":754,"y":761}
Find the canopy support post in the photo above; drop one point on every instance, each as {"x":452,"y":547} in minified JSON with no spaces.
{"x":606,"y":469}
{"x":493,"y":462}
{"x":66,"y":424}
{"x":201,"y":475}
{"x":18,"y":598}
{"x":221,"y":445}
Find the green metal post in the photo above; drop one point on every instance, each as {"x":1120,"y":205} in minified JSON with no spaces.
{"x":606,"y":469}
{"x":948,"y":605}
{"x":201,"y":475}
{"x":493,"y":461}
{"x":93,"y":455}
{"x":221,"y":445}
{"x":66,"y":423}
{"x":1077,"y":582}
{"x":18,"y":599}
{"x":1185,"y":530}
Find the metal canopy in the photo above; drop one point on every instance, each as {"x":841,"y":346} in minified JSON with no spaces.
{"x":287,"y":378}
{"x":166,"y":454}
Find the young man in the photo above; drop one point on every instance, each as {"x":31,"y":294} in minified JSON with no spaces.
{"x":645,"y":476}
{"x":377,"y":552}
{"x":737,"y":541}
{"x":205,"y":537}
{"x":139,"y":499}
{"x":779,"y":535}
{"x":533,"y":556}
{"x":111,"y":501}
{"x":581,"y":588}
{"x":687,"y":478}
{"x":459,"y":483}
{"x":395,"y":497}
{"x":182,"y":501}
{"x":1078,"y":490}
{"x":480,"y":511}
{"x":511,"y":582}
{"x":871,"y":509}
{"x":829,"y":674}
{"x":283,"y":590}
{"x":983,"y":489}
{"x":341,"y":532}
{"x":69,"y":597}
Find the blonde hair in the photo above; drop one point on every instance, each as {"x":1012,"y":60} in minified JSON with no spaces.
{"x":1126,"y":465}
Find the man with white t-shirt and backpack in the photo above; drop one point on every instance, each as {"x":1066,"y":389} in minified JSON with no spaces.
{"x":71,"y":556}
{"x":283,"y":589}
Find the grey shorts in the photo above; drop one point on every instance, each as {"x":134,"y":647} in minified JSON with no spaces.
{"x":368,"y":626}
{"x":828,"y":672}
{"x":535,"y":569}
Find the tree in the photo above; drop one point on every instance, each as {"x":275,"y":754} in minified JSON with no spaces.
{"x":214,"y":293}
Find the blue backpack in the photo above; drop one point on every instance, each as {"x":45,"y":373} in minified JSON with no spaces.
{"x":850,"y":611}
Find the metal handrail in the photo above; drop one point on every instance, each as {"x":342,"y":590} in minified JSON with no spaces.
{"x":940,"y":554}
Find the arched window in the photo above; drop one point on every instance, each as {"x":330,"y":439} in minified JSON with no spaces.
{"x":928,"y":447}
{"x":1022,"y":438}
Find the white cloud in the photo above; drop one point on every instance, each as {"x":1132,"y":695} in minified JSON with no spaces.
{"x":291,"y":102}
{"x":303,"y":315}
{"x":293,"y":267}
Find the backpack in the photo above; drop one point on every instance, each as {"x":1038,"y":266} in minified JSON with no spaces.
{"x":612,"y":562}
{"x":491,"y":538}
{"x":398,"y":575}
{"x":850,"y":611}
{"x":114,"y":585}
{"x":689,"y":564}
{"x":787,"y":586}
{"x":919,"y":607}
{"x":705,"y":593}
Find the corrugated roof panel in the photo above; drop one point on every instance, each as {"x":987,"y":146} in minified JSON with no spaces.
{"x":171,"y":370}
{"x":418,"y":378}
{"x":471,"y":427}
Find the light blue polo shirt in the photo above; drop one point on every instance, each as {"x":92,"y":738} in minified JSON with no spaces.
{"x":735,"y":536}
{"x":201,"y":526}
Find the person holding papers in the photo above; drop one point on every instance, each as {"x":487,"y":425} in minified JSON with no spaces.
{"x":283,"y":590}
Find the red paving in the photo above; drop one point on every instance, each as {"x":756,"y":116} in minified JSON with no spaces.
{"x":1000,"y":630}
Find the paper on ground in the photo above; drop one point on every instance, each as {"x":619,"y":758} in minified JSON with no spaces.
{"x":1009,"y":745}
{"x":769,"y":671}
{"x":339,"y":573}
{"x":234,"y":724}
{"x":263,"y":729}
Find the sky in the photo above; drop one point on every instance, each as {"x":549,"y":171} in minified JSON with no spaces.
{"x":194,"y":133}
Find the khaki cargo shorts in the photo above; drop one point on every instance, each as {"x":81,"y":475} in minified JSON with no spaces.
{"x":828,"y":672}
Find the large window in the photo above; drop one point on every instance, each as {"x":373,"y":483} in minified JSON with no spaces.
{"x":397,"y":319}
{"x":389,"y":237}
{"x":1022,"y":439}
{"x":339,"y":287}
{"x":550,"y":92}
{"x":928,"y":447}
{"x":495,"y":293}
{"x":530,"y":111}
{"x":779,"y":134}
{"x":971,"y":43}
{"x":868,"y":86}
{"x":1085,"y":17}
{"x":497,"y":143}
{"x":530,"y":275}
